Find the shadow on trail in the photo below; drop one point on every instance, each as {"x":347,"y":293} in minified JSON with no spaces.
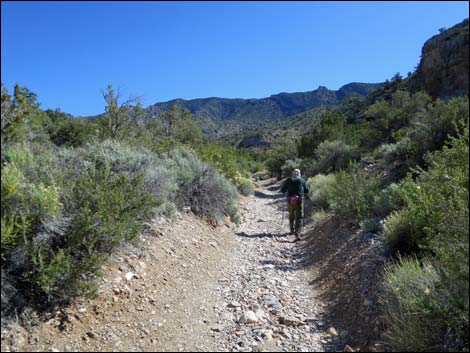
{"x":273,"y":187}
{"x":252,"y":236}
{"x":263,"y":195}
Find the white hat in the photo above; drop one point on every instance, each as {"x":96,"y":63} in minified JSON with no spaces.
{"x":296,"y":173}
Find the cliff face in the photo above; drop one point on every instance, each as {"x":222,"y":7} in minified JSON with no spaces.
{"x":444,"y":69}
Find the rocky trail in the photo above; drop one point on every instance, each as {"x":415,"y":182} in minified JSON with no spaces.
{"x":189,"y":286}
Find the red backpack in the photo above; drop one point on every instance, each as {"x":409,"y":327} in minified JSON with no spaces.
{"x":294,"y":200}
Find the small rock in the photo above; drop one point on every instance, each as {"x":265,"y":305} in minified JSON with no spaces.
{"x":248,"y":317}
{"x":289,"y":321}
{"x":332,"y":331}
{"x":234,"y":304}
{"x":269,"y":266}
{"x":217,"y":328}
{"x":348,"y":348}
{"x":310,"y":319}
{"x":260,"y":314}
{"x":268,"y":335}
{"x":129,"y":276}
{"x":270,"y":300}
{"x":343,"y":334}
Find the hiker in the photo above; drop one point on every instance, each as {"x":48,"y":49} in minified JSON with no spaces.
{"x":296,"y":187}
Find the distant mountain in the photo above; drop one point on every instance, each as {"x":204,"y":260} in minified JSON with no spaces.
{"x":221,"y":116}
{"x":444,"y":67}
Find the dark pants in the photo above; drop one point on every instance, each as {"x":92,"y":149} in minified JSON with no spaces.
{"x":296,"y":213}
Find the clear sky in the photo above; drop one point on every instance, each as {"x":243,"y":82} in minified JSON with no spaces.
{"x":67,"y":52}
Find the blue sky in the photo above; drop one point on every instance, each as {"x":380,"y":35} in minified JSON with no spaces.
{"x":67,"y":52}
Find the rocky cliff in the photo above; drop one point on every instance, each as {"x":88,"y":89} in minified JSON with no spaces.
{"x":444,"y":69}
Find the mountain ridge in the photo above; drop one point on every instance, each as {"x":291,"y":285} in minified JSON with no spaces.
{"x":277,"y":105}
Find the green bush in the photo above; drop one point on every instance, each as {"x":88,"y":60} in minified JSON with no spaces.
{"x":334,"y":155}
{"x":207,"y":193}
{"x":409,"y":298}
{"x":245,"y":186}
{"x":397,"y":233}
{"x":352,"y":195}
{"x":430,"y":131}
{"x":318,"y":186}
{"x":371,"y":225}
{"x":387,"y":119}
{"x":53,"y":234}
{"x":435,"y":223}
{"x":391,"y":153}
{"x":330,"y":126}
{"x":388,"y":200}
{"x":318,"y":216}
{"x":231,"y":162}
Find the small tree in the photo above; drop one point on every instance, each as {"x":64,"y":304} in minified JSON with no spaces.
{"x":119,"y":117}
{"x":15,"y":112}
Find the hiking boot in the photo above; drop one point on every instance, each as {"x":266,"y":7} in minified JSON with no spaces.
{"x":292,"y":232}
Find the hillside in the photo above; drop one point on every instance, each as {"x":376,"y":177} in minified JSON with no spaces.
{"x":232,"y":114}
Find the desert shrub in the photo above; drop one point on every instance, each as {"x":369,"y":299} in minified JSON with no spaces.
{"x":435,"y":223}
{"x":65,"y":130}
{"x":371,"y":225}
{"x":397,"y":233}
{"x":388,"y":200}
{"x":245,"y":186}
{"x":330,"y":126}
{"x":387,"y":119}
{"x":207,"y":193}
{"x":318,"y":186}
{"x":429,"y":132}
{"x":309,"y":166}
{"x":276,"y":157}
{"x":318,"y":216}
{"x":54,"y":235}
{"x":437,"y":203}
{"x":391,"y":153}
{"x":410,"y":297}
{"x":334,"y":155}
{"x":352,"y":195}
{"x":24,"y":204}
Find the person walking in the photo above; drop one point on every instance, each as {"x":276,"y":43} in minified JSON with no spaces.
{"x":296,"y":187}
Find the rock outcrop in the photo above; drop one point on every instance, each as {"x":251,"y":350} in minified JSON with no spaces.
{"x":443,"y":71}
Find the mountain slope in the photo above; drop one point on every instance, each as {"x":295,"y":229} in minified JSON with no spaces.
{"x":275,"y":106}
